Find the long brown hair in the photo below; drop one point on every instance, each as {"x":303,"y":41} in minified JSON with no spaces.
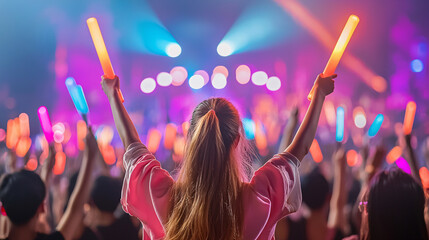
{"x":206,"y":202}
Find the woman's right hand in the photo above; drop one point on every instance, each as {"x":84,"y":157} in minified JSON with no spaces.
{"x":110,"y":86}
{"x":325,"y":85}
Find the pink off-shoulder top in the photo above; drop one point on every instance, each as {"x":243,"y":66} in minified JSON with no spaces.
{"x":273,"y":192}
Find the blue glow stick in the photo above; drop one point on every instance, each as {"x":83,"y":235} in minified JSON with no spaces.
{"x":375,"y":126}
{"x":339,"y":136}
{"x":82,"y":106}
{"x":249,"y":128}
{"x":70,"y":82}
{"x":77,"y":95}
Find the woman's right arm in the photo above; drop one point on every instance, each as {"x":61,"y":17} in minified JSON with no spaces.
{"x":124,"y":125}
{"x":307,"y":131}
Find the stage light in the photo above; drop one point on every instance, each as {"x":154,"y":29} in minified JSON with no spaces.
{"x":173,"y":50}
{"x":179,"y":75}
{"x":242,"y":74}
{"x":164,"y":79}
{"x":359,"y":117}
{"x":259,"y":78}
{"x":274,"y":84}
{"x":203,"y":74}
{"x":219,"y":81}
{"x":224,"y":49}
{"x":220,"y":69}
{"x":148,"y":85}
{"x":417,"y":65}
{"x":196,"y":82}
{"x":261,"y":24}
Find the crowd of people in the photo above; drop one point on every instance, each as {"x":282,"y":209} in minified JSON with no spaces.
{"x":215,"y":193}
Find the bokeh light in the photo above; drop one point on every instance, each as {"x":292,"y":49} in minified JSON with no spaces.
{"x":58,"y":137}
{"x":224,"y":49}
{"x":417,"y":65}
{"x":196,"y":82}
{"x":220,"y":69}
{"x":164,"y":79}
{"x":360,"y":120}
{"x":359,"y":117}
{"x":219,"y":81}
{"x":203,"y":74}
{"x":173,"y":50}
{"x":259,"y":78}
{"x":274,"y":83}
{"x":242,"y":74}
{"x":178,"y":75}
{"x":148,"y":85}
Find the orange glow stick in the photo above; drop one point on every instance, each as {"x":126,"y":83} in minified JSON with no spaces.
{"x":153,"y":140}
{"x":60,"y":163}
{"x":185,"y":128}
{"x":410,"y":112}
{"x":352,"y":158}
{"x":12,"y":134}
{"x":24,"y":125}
{"x":394,"y":154}
{"x":260,"y":137}
{"x":81,"y":134}
{"x":100,"y":47}
{"x":23,"y":146}
{"x":424,"y":175}
{"x":170,"y":136}
{"x":315,"y":151}
{"x":108,"y":153}
{"x":32,"y":164}
{"x":179,"y":146}
{"x":341,"y":45}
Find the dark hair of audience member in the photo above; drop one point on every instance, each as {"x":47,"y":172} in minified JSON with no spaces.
{"x":21,"y":194}
{"x":315,"y":189}
{"x":395,"y":207}
{"x":106,"y":193}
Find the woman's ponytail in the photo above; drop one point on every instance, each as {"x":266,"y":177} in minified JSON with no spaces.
{"x":206,"y":200}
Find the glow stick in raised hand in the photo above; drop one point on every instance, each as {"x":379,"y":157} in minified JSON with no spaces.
{"x":410,"y":113}
{"x":45,"y":122}
{"x":78,"y":97}
{"x":339,"y":134}
{"x":100,"y":47}
{"x":315,"y":151}
{"x":375,"y":126}
{"x":341,"y":45}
